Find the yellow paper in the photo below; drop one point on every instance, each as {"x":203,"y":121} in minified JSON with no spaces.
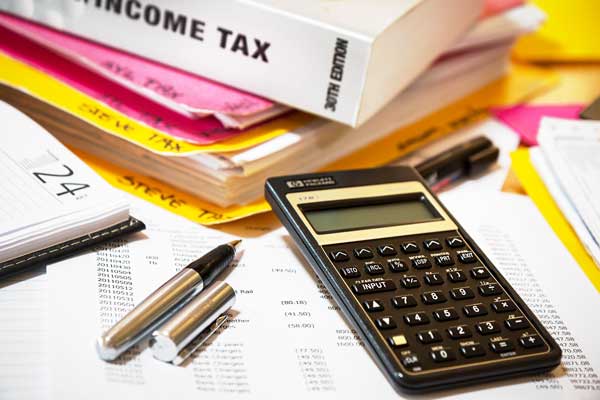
{"x":570,"y":33}
{"x":49,"y":90}
{"x":535,"y":188}
{"x":168,"y":197}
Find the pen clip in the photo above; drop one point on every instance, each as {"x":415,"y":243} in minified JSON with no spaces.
{"x":200,"y":339}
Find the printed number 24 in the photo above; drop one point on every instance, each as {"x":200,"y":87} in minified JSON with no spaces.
{"x":68,"y":186}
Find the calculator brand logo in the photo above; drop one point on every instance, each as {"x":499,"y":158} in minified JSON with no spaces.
{"x":311,"y":182}
{"x":295,"y":184}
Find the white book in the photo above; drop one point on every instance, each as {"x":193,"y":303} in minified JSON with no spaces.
{"x":343,"y":60}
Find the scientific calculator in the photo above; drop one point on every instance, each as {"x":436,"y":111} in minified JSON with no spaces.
{"x":429,"y":305}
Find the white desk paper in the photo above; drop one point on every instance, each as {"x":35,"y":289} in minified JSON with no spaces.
{"x":288,"y":340}
{"x":23,"y":334}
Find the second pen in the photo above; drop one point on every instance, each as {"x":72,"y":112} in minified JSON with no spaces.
{"x":164,"y":301}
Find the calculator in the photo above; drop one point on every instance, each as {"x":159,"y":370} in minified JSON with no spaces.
{"x":429,"y":305}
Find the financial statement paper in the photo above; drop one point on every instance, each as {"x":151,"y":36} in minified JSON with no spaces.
{"x":287,"y":337}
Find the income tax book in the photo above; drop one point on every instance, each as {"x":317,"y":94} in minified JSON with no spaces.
{"x":51,"y":203}
{"x":343,"y":60}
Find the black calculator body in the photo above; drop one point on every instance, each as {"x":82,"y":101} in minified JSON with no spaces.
{"x":430,"y":306}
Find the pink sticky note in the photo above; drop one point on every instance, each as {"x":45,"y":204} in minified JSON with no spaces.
{"x":178,"y":90}
{"x":200,"y":131}
{"x":525,"y":119}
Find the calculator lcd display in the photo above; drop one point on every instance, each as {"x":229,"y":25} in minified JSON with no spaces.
{"x":374,"y":214}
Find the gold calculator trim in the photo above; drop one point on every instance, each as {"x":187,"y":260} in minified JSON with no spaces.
{"x":364,"y":192}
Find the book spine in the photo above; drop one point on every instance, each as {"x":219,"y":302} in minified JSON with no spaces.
{"x":283,"y":57}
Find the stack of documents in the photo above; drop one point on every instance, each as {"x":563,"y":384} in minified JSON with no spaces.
{"x":209,"y":140}
{"x":567,"y":161}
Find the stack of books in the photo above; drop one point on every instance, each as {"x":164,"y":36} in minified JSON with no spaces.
{"x":214,"y":97}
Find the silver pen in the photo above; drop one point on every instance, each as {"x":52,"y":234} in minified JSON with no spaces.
{"x":194,"y":324}
{"x":165,"y":301}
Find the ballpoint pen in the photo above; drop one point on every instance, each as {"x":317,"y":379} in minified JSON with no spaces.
{"x":165,"y":301}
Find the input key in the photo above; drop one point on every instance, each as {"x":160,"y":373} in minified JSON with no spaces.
{"x":385,"y":285}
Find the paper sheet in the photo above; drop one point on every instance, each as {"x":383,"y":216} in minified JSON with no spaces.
{"x":571,"y":150}
{"x":199,"y":131}
{"x":525,"y":119}
{"x":169,"y":86}
{"x":22,"y":77}
{"x":287,"y":338}
{"x":23,"y":336}
{"x":544,"y":170}
{"x":539,"y":194}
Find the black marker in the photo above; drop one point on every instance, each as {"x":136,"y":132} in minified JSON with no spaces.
{"x":466,"y":159}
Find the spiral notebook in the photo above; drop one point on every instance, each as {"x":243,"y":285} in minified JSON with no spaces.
{"x":51,"y":203}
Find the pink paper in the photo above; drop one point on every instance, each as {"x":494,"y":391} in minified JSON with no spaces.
{"x":173,"y":88}
{"x":200,"y":131}
{"x":525,"y":119}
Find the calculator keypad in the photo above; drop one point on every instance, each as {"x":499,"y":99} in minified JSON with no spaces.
{"x":434,"y":302}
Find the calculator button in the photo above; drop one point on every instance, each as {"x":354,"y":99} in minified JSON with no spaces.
{"x":432,"y":244}
{"x":462,"y":293}
{"x":421,"y":263}
{"x":503,"y":306}
{"x":373,"y":305}
{"x":410,"y":247}
{"x":385,"y":323}
{"x":459,"y":332}
{"x":455,"y":241}
{"x":363,"y":253}
{"x":407,"y":300}
{"x":472,"y":350}
{"x":374,"y":287}
{"x":516,"y":323}
{"x":531,"y":341}
{"x":443,"y":354}
{"x":502,"y":345}
{"x":398,"y":341}
{"x":475,"y":310}
{"x":374,"y":269}
{"x":457,"y":276}
{"x":417,"y":318}
{"x":433,"y":297}
{"x":488,"y":327}
{"x":410,"y":282}
{"x":490,"y":289}
{"x":410,"y":361}
{"x":386,"y":250}
{"x":397,"y":266}
{"x":339,"y":256}
{"x":480,"y":273}
{"x":444,"y":260}
{"x":467,"y":257}
{"x":445,"y":314}
{"x":434,"y":279}
{"x":350,"y":272}
{"x":430,"y":336}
